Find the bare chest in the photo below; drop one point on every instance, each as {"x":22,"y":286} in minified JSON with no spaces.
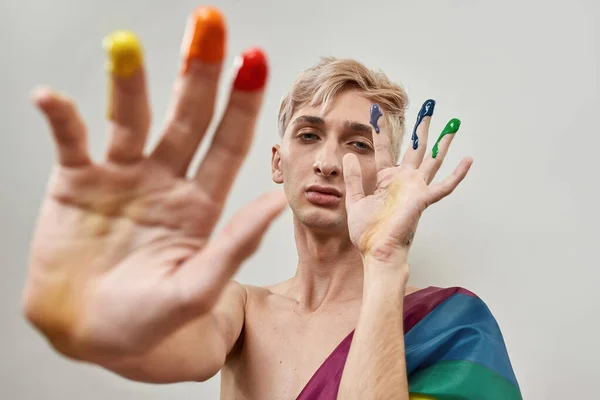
{"x":281,"y":351}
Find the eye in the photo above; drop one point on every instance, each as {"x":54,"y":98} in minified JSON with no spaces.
{"x":361,"y":146}
{"x":308,"y":136}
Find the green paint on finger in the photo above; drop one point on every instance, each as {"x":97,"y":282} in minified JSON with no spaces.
{"x":451,"y":128}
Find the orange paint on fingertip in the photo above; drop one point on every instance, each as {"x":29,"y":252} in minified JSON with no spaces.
{"x":205,"y":37}
{"x":253,"y":70}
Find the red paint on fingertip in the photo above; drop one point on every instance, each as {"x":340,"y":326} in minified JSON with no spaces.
{"x":253,"y":72}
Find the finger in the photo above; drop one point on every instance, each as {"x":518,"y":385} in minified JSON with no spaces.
{"x":195,"y":90}
{"x":416,"y":151}
{"x":128,"y":106}
{"x":235,"y":132}
{"x":67,"y":127}
{"x":442,"y":189}
{"x":434,"y":160}
{"x":352,"y":179}
{"x":381,"y":141}
{"x":215,"y":265}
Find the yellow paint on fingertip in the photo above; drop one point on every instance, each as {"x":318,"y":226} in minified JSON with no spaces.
{"x":124,"y":51}
{"x":109,"y":108}
{"x":125,"y":57}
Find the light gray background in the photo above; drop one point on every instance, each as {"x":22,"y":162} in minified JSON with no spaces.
{"x":519,"y":231}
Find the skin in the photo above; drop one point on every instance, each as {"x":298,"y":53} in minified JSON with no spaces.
{"x":137,"y":228}
{"x":320,"y":305}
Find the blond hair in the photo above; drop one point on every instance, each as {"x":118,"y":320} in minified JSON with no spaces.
{"x":316,"y":86}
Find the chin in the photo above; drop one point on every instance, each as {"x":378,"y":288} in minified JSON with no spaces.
{"x":323,"y":220}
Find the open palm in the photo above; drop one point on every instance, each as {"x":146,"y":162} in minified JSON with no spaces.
{"x":384,"y":223}
{"x":127,"y":242}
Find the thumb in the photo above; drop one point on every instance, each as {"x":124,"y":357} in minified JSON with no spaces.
{"x":352,"y":179}
{"x":207,"y":273}
{"x":242,"y":235}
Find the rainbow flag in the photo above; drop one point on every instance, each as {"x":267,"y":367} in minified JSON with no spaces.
{"x":454,"y":351}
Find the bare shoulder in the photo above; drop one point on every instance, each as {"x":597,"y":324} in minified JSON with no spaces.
{"x":267,"y":296}
{"x":234,"y":292}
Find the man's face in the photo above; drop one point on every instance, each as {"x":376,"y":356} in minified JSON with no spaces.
{"x":309,"y":160}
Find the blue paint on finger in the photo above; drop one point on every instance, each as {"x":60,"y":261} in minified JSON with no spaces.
{"x":375,"y":115}
{"x":426,"y":111}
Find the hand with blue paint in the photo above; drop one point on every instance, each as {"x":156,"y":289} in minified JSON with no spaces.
{"x":426,"y":111}
{"x":382,"y":225}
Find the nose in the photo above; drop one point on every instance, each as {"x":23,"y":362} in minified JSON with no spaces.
{"x":327,"y":162}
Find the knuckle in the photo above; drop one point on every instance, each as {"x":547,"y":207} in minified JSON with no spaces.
{"x":245,"y":105}
{"x":231,"y":150}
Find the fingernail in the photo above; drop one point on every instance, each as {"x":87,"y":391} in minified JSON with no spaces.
{"x":40,"y":93}
{"x":451,"y":128}
{"x":124,"y":53}
{"x":205,"y":37}
{"x":426,"y":111}
{"x":253,"y":70}
{"x":375,"y":115}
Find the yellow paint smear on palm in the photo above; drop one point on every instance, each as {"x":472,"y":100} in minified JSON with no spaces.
{"x":69,"y":278}
{"x":56,"y":314}
{"x":389,"y":205}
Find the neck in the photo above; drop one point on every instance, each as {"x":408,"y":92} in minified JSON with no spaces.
{"x":330,"y":268}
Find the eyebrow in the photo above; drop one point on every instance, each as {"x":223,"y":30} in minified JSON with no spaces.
{"x":348,"y":125}
{"x":358,"y":127}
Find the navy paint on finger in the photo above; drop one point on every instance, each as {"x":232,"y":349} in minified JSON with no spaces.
{"x":426,"y":111}
{"x":375,"y":115}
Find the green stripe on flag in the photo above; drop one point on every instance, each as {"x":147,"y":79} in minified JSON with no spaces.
{"x":462,"y":380}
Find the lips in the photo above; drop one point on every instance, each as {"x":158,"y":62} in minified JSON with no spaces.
{"x":323,"y":195}
{"x":325,"y":190}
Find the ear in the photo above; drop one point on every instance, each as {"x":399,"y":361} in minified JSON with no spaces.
{"x":276,"y":173}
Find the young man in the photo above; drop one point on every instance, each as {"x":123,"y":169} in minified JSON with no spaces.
{"x":126,"y":273}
